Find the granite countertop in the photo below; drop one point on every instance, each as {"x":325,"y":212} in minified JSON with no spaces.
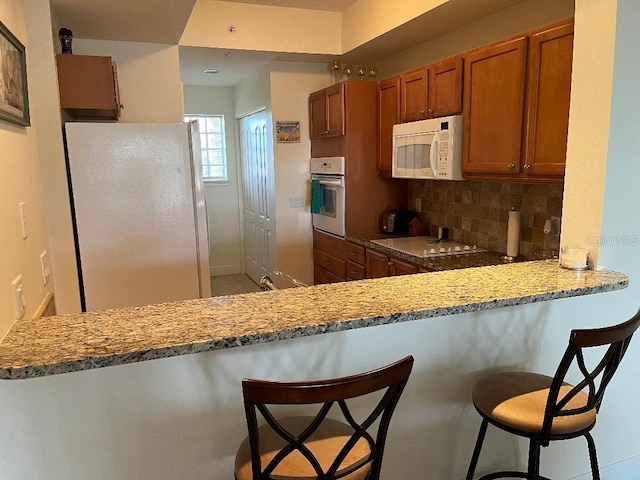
{"x":67,"y":343}
{"x":433,"y":264}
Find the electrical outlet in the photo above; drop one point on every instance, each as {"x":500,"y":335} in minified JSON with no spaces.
{"x":556,"y":223}
{"x":418,"y":204}
{"x":44,"y":267}
{"x":19,"y":302}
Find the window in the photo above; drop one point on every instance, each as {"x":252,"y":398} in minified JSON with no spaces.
{"x":212,"y":145}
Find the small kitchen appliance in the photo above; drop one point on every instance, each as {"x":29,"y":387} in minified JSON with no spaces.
{"x":396,"y":222}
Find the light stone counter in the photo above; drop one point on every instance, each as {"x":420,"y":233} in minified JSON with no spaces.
{"x":67,"y":343}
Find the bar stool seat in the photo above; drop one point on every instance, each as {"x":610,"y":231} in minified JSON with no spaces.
{"x":325,"y":444}
{"x":518,"y":400}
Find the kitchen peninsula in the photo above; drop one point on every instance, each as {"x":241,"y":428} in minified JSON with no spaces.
{"x":67,"y":343}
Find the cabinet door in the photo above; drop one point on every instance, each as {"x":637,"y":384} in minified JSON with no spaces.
{"x":414,"y":91}
{"x":377,"y":265}
{"x":317,"y":115}
{"x":445,"y":88}
{"x":388,"y":116}
{"x":87,"y":86}
{"x":335,"y":99}
{"x":548,"y":92}
{"x":494,"y":81}
{"x":398,"y":267}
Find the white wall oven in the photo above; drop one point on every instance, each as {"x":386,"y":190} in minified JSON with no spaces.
{"x":328,"y":195}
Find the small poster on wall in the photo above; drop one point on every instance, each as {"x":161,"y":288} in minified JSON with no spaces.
{"x":288,"y":132}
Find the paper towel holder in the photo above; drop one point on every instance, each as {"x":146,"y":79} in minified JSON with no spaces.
{"x":514,"y":222}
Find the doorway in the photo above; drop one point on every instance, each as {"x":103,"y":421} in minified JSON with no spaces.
{"x":257,"y":195}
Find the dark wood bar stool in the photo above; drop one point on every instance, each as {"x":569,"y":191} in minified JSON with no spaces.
{"x":319,"y":447}
{"x":544,"y":409}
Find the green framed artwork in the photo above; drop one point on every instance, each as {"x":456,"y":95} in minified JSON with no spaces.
{"x":14,"y":99}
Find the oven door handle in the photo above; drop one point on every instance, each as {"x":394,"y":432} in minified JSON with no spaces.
{"x":331,"y":183}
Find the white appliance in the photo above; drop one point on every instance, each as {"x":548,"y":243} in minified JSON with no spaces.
{"x":139,"y":213}
{"x":430,"y":149}
{"x":328,"y":195}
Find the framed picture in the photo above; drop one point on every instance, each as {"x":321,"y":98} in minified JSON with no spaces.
{"x":14,"y":101}
{"x":288,"y":132}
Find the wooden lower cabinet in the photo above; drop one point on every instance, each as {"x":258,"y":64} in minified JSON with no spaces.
{"x":329,"y":258}
{"x":320,"y":276}
{"x":356,"y":269}
{"x":337,"y":260}
{"x":379,"y":265}
{"x":398,"y":267}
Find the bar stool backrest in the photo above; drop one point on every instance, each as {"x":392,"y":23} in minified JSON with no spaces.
{"x":614,"y":340}
{"x":259,"y":395}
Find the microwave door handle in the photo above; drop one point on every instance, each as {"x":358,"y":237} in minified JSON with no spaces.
{"x":433,"y":155}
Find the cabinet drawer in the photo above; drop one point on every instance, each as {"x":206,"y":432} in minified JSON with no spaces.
{"x":320,"y":276}
{"x":355,"y":271}
{"x":328,"y":262}
{"x":336,"y":247}
{"x":355,"y":253}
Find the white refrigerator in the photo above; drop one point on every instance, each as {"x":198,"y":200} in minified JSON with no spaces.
{"x":139,"y":213}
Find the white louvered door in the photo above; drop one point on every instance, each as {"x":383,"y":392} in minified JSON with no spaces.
{"x":256,"y":181}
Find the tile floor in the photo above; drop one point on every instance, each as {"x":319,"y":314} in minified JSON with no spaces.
{"x":232,"y":284}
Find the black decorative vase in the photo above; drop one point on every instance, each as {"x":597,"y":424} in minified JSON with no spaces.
{"x":66,"y":37}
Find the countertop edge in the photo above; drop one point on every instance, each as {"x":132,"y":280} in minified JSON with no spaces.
{"x":135,"y":356}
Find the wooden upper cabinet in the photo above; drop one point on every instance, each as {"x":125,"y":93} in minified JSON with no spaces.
{"x":414,"y":92}
{"x":445,"y":88}
{"x":548,"y":94}
{"x":494,"y":91}
{"x":388,"y":116}
{"x":88,"y":86}
{"x":327,"y":112}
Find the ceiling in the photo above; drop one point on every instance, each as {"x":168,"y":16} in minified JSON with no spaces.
{"x":163,"y":21}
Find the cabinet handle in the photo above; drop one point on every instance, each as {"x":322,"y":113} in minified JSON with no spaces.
{"x":326,"y":132}
{"x":422,"y":112}
{"x":511,"y":165}
{"x":527,"y":166}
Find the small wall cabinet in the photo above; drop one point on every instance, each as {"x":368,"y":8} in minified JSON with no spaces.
{"x":88,"y":86}
{"x":327,"y":112}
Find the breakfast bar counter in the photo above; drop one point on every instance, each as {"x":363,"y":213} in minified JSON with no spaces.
{"x":66,"y":343}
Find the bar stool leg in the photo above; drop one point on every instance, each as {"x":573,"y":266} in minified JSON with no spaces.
{"x":533,"y":468}
{"x":477,"y":448}
{"x":593,"y":457}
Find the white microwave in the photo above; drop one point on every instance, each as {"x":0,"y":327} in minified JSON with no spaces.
{"x":430,"y":149}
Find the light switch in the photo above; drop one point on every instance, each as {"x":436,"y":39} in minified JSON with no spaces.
{"x":44,"y":266}
{"x":23,"y":219}
{"x":18,"y":297}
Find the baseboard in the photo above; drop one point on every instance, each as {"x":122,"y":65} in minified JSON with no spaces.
{"x":625,"y":470}
{"x":219,"y":270}
{"x":47,"y":308}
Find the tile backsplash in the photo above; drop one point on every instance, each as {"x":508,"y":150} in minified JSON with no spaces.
{"x":478,"y":212}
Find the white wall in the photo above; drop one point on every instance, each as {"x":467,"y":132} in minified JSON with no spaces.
{"x":21,"y":182}
{"x":291,"y":84}
{"x":225,"y":257}
{"x":527,"y":15}
{"x":252,"y":95}
{"x":148,"y":75}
